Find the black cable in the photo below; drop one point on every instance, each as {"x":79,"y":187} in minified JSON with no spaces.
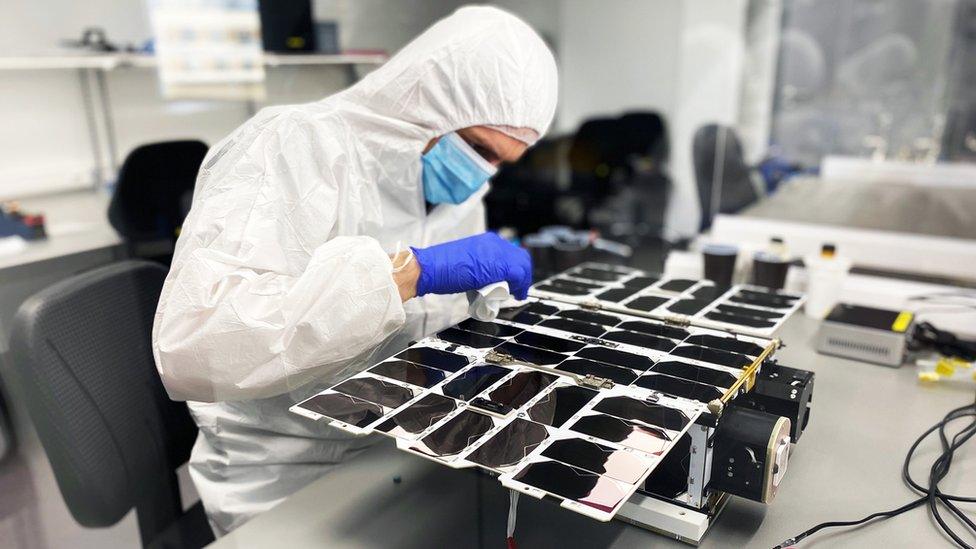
{"x":932,"y":496}
{"x":911,"y":451}
{"x":927,"y":336}
{"x":882,"y":514}
{"x":936,"y":295}
{"x":937,"y":474}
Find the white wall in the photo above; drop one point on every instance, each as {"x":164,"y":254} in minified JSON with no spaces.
{"x":373,"y":24}
{"x":682,"y":58}
{"x":45,"y":136}
{"x":761,"y":53}
{"x":545,"y":17}
{"x":37,"y":27}
{"x":51,"y":147}
{"x":380,"y":24}
{"x":616,"y":56}
{"x":710,"y":60}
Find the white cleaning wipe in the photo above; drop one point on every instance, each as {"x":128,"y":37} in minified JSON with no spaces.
{"x":484,"y":304}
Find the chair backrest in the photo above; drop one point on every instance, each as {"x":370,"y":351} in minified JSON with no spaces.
{"x":82,"y":357}
{"x":153,"y":187}
{"x":718,"y":159}
{"x":525,"y":194}
{"x":6,"y":441}
{"x":595,"y":149}
{"x":646,"y":135}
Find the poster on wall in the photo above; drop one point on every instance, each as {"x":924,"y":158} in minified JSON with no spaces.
{"x":208,"y":49}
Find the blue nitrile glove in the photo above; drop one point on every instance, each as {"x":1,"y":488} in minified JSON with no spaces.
{"x":473,"y":263}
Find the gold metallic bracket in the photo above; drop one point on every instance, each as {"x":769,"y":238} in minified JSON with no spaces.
{"x":748,"y":376}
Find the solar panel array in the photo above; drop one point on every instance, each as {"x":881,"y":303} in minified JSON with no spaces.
{"x":741,"y":308}
{"x":516,"y":397}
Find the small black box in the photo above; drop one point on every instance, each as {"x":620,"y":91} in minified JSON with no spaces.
{"x":782,"y":391}
{"x":286,"y":25}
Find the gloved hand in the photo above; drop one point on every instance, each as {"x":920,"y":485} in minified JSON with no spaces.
{"x":472,"y":263}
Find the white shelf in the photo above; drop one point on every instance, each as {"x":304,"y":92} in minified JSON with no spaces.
{"x":110,"y":61}
{"x":288,"y":59}
{"x":57,"y":62}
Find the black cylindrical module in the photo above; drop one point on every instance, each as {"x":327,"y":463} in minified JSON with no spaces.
{"x":751,"y":450}
{"x":782,"y":391}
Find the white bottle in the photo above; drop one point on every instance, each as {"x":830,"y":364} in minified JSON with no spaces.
{"x":826,"y":273}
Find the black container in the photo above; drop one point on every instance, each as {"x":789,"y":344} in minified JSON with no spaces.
{"x":541,"y":251}
{"x":720,"y":264}
{"x":569,"y":252}
{"x":769,"y":271}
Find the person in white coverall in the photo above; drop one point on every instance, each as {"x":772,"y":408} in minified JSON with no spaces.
{"x":312,"y":229}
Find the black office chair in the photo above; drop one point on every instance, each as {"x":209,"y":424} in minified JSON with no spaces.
{"x":646,"y":147}
{"x":646,"y":136}
{"x":6,"y":433}
{"x":528,"y":194}
{"x":153,"y":194}
{"x":595,"y":155}
{"x":82,"y":357}
{"x":717,"y":156}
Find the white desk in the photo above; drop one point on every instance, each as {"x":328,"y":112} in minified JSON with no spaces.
{"x":864,"y":170}
{"x":847,"y":465}
{"x":77,"y":222}
{"x":80,"y":238}
{"x":935,"y":211}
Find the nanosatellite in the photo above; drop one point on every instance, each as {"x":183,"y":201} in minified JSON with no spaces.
{"x":614,"y":392}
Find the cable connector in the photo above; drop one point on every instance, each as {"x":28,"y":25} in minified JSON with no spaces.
{"x":513,"y":498}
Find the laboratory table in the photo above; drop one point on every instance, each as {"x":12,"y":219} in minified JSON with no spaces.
{"x":934,"y":211}
{"x":77,"y":223}
{"x":846,"y":465}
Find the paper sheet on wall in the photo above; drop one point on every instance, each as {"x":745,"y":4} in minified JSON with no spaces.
{"x":208,"y":49}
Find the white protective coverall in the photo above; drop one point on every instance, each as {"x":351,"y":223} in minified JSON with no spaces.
{"x":281,"y":281}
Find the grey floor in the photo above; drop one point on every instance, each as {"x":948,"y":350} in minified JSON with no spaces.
{"x":32,"y":513}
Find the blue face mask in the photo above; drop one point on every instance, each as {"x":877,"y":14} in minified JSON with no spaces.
{"x":453,"y":171}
